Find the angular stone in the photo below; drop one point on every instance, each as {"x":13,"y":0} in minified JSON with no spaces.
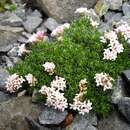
{"x":109,"y":15}
{"x":13,"y":20}
{"x":81,"y":122}
{"x":118,"y":92}
{"x":4,"y":74}
{"x":4,"y":97}
{"x":103,"y":27}
{"x":51,"y":116}
{"x":36,"y":13}
{"x":13,"y":52}
{"x":42,"y":28}
{"x":51,"y":24}
{"x":63,"y":10}
{"x":6,"y":48}
{"x":9,"y":62}
{"x":114,"y":121}
{"x":126,"y":9}
{"x":101,"y":7}
{"x":32,"y":23}
{"x":124,"y":107}
{"x":126,"y":79}
{"x":14,"y":111}
{"x":115,"y":4}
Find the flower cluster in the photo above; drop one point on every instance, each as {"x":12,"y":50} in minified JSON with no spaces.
{"x":22,"y":50}
{"x":104,"y":80}
{"x":58,"y":32}
{"x":124,"y":29}
{"x":114,"y":47}
{"x":49,"y":67}
{"x":14,"y":82}
{"x":36,"y":37}
{"x":31,"y":79}
{"x":54,"y":95}
{"x":85,"y":12}
{"x":81,"y":106}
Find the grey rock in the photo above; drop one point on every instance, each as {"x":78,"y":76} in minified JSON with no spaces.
{"x":9,"y":62}
{"x":63,"y":10}
{"x":81,"y":122}
{"x":102,"y":7}
{"x":113,"y":122}
{"x":3,"y":78}
{"x":109,"y":15}
{"x":118,"y":91}
{"x":115,"y":4}
{"x":13,"y":52}
{"x":35,"y":96}
{"x":15,"y":60}
{"x":26,"y":35}
{"x":126,"y":19}
{"x":51,"y":24}
{"x":51,"y":116}
{"x":4,"y":97}
{"x":6,"y":48}
{"x":42,"y":28}
{"x":103,"y":27}
{"x":36,"y":13}
{"x":126,"y":79}
{"x":11,"y":29}
{"x":32,"y":23}
{"x":2,"y":62}
{"x":126,"y":9}
{"x":22,"y":39}
{"x":116,"y":18}
{"x":13,"y":20}
{"x":14,"y":111}
{"x":124,"y":107}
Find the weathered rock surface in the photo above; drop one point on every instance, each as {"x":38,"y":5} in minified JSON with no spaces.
{"x":4,"y":97}
{"x":13,"y":113}
{"x":63,"y":10}
{"x":126,"y":9}
{"x":115,"y":4}
{"x":113,"y":122}
{"x":3,"y":77}
{"x":51,"y":116}
{"x":124,"y":107}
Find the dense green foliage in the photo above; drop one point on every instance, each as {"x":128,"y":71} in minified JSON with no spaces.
{"x":78,"y":56}
{"x":7,"y":5}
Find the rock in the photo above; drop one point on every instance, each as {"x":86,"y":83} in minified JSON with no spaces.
{"x":42,"y":28}
{"x":35,"y":96}
{"x":118,"y":91}
{"x":103,"y":27}
{"x":115,"y":4}
{"x":3,"y":77}
{"x":51,"y":24}
{"x":13,"y":20}
{"x":101,"y":7}
{"x":2,"y":62}
{"x":116,"y":18}
{"x":22,"y":40}
{"x":13,"y":113}
{"x":26,"y":35}
{"x":11,"y":29}
{"x":32,"y":23}
{"x":126,"y":79}
{"x":51,"y":116}
{"x":126,"y":19}
{"x":81,"y":122}
{"x":124,"y":107}
{"x":8,"y":38}
{"x":63,"y":10}
{"x":13,"y":52}
{"x":9,"y":63}
{"x":113,"y":122}
{"x":109,"y":15}
{"x":36,"y":13}
{"x":6,"y":48}
{"x":126,"y":9}
{"x":4,"y":97}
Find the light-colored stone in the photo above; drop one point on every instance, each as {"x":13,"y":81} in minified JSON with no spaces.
{"x":115,"y":4}
{"x":126,"y":9}
{"x":63,"y":10}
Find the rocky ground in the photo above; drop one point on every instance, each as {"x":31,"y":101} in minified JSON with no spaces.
{"x":19,"y":113}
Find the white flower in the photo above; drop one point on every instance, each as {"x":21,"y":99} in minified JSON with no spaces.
{"x":14,"y":82}
{"x":103,"y":39}
{"x":104,"y":80}
{"x":49,"y":67}
{"x":82,"y":85}
{"x":22,"y":50}
{"x":81,"y":106}
{"x":31,"y":79}
{"x":58,"y":32}
{"x":94,"y":23}
{"x":36,"y":37}
{"x":58,"y":84}
{"x":109,"y":54}
{"x":82,"y":10}
{"x":54,"y":98}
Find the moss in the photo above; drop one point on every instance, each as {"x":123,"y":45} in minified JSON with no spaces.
{"x":78,"y":56}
